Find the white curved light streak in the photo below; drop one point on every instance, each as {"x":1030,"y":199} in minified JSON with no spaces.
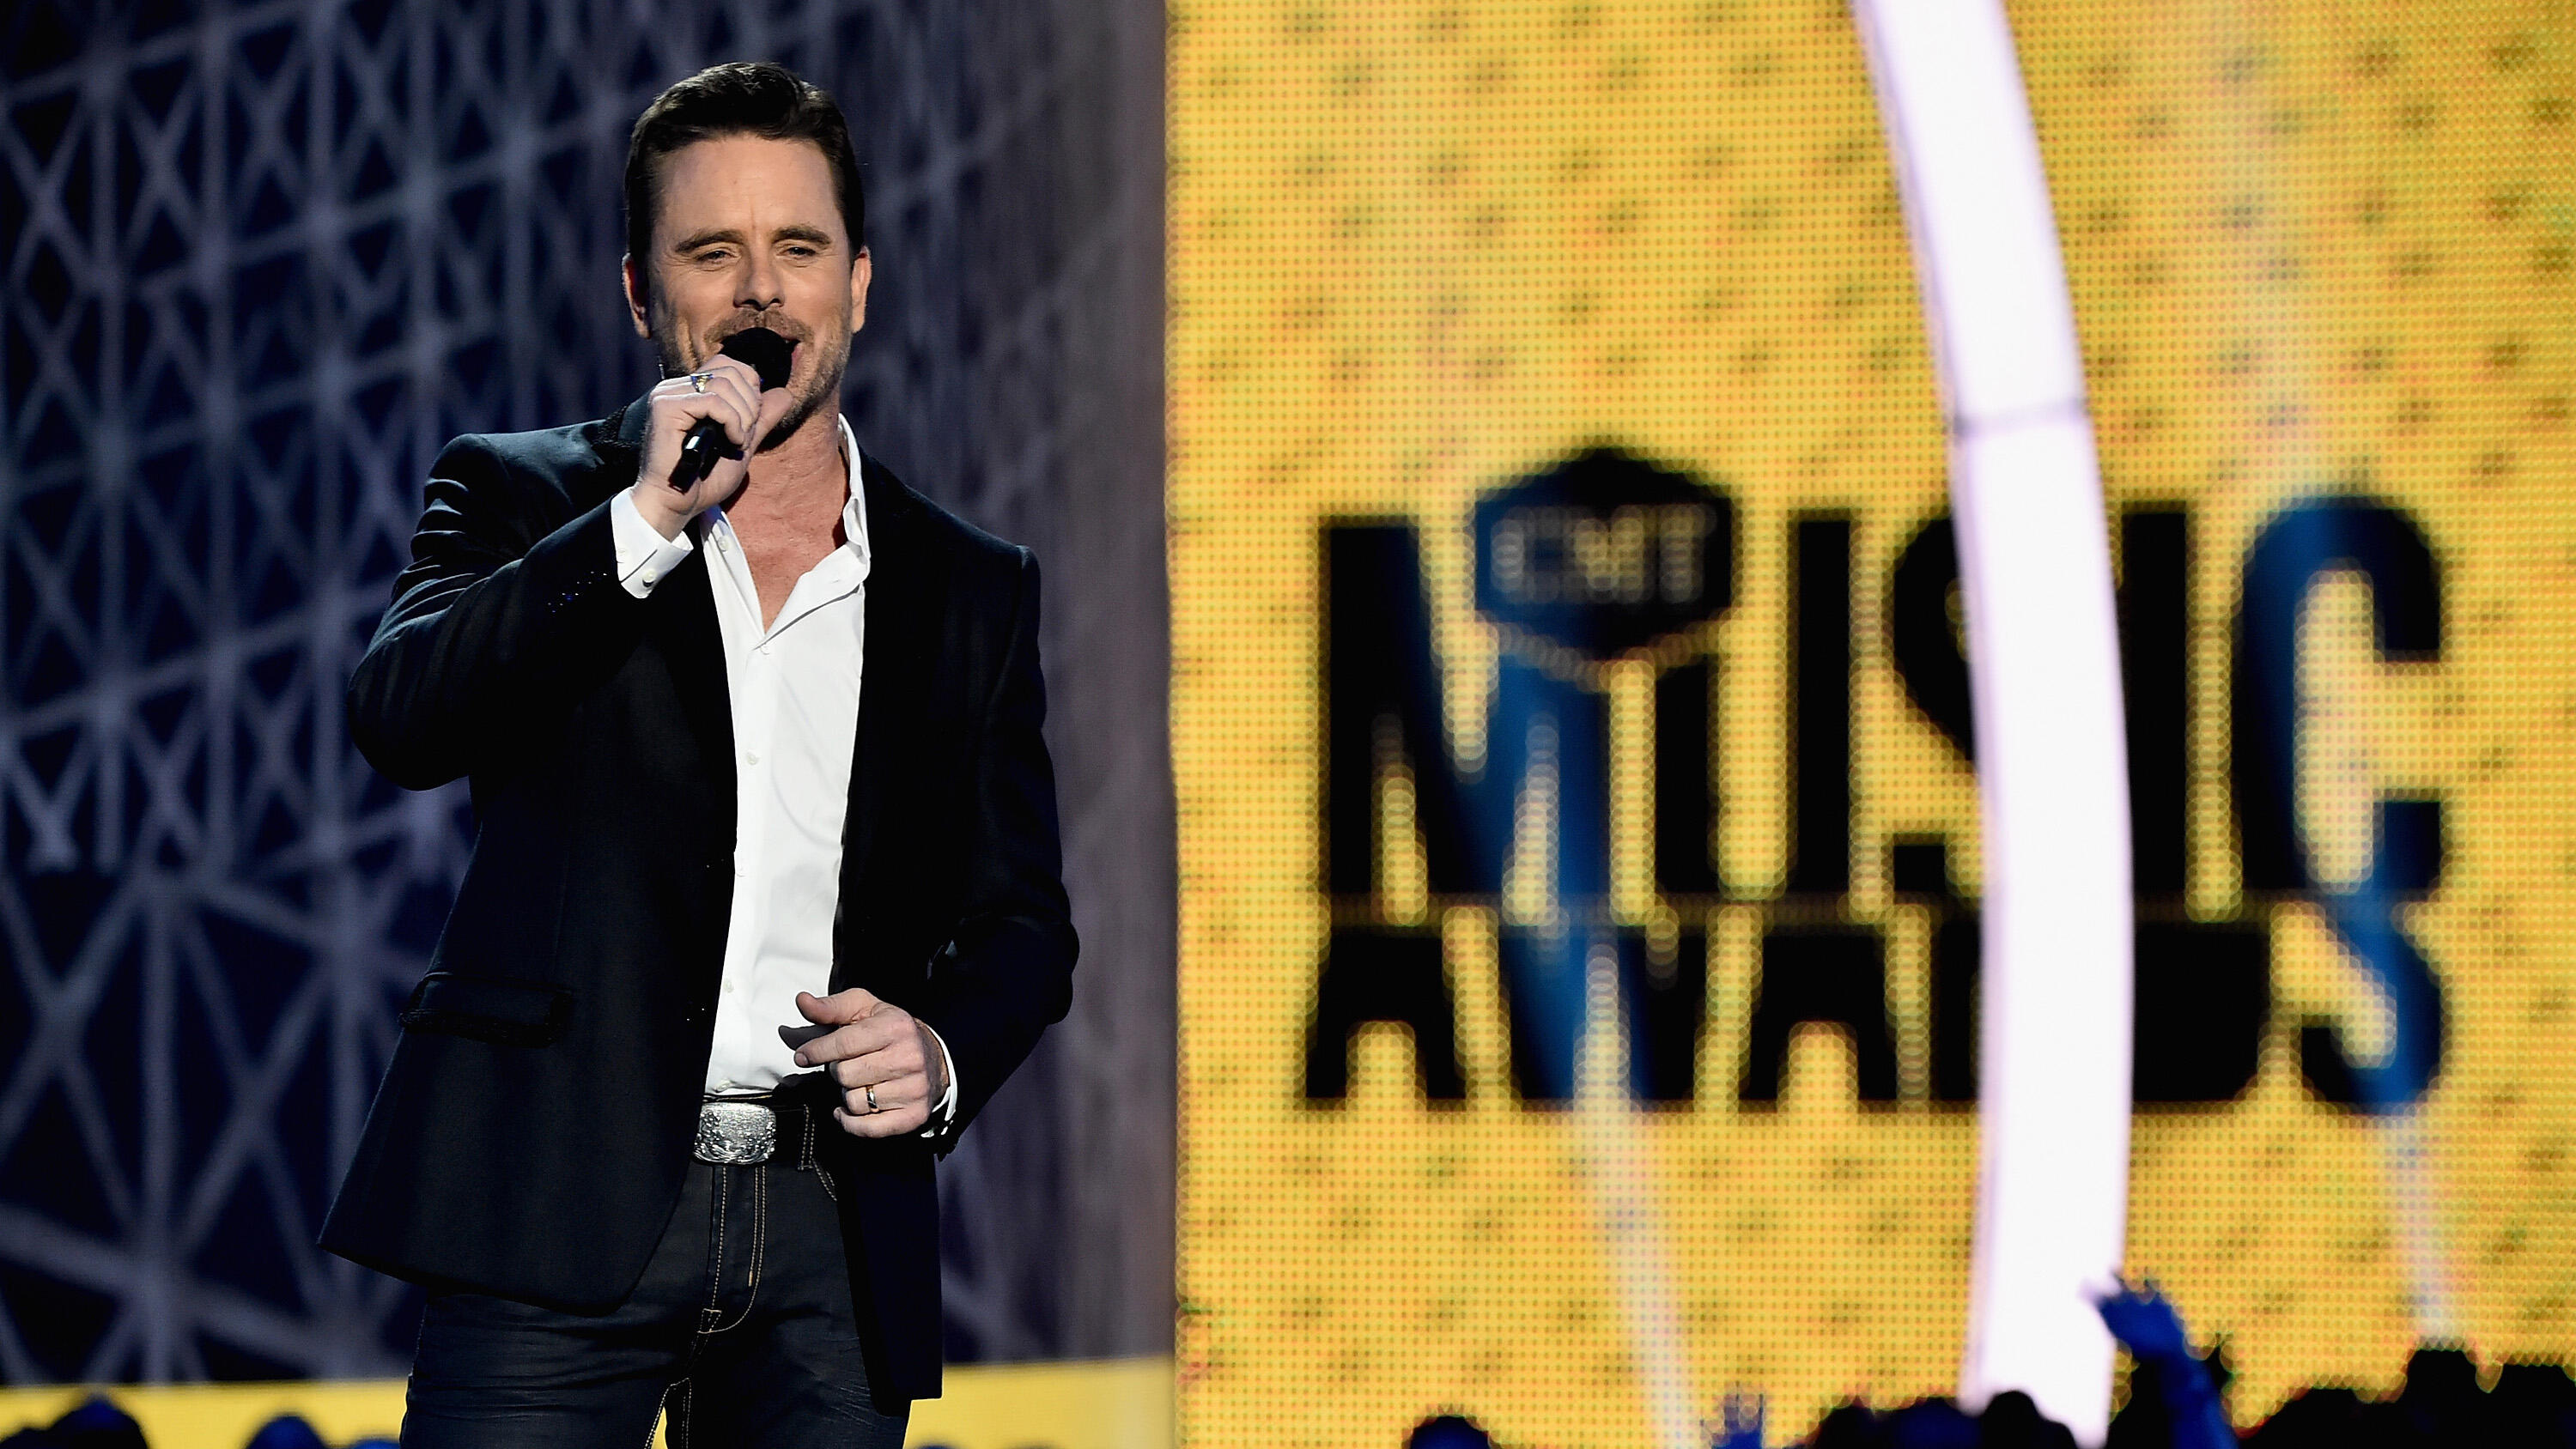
{"x":2035,"y":561}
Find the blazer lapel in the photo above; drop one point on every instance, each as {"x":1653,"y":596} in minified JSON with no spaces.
{"x":894,"y":690}
{"x":681,"y":618}
{"x":681,"y":611}
{"x":618,"y":439}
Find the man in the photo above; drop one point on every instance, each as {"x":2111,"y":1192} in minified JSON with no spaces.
{"x":764,"y":901}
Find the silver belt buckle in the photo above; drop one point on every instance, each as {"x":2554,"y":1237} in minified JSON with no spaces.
{"x":736,"y":1134}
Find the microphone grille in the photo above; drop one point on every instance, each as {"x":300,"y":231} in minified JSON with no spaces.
{"x":766,"y":351}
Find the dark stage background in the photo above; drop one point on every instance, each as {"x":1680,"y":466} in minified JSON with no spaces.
{"x":262,"y":260}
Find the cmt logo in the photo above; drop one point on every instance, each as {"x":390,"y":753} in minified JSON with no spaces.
{"x":1609,"y":557}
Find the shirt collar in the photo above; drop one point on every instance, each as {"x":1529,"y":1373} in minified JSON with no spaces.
{"x":854,"y":514}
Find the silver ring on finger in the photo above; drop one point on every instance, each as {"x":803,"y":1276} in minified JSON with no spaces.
{"x":872,"y":1098}
{"x":698,"y":381}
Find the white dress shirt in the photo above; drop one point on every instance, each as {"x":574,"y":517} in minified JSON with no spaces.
{"x":794,"y":684}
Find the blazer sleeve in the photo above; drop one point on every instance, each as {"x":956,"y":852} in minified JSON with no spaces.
{"x":1008,"y":972}
{"x":500,"y":626}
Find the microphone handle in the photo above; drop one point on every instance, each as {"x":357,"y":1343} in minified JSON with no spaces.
{"x":698,"y":453}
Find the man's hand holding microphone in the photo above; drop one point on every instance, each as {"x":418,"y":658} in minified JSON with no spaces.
{"x":742,"y":399}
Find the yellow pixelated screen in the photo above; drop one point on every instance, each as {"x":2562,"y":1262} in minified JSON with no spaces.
{"x":1559,"y":553}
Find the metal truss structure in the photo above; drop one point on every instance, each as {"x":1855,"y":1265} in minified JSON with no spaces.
{"x":263,"y":258}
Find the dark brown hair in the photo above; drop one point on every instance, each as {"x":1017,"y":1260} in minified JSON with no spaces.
{"x":739,"y":98}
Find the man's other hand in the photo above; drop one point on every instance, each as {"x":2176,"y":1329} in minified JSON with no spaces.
{"x":874,"y":1044}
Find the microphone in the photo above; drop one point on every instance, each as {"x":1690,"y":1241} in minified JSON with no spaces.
{"x":768,"y":354}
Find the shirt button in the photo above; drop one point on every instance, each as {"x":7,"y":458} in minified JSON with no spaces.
{"x":721,"y":545}
{"x":652,"y":577}
{"x":751,"y":757}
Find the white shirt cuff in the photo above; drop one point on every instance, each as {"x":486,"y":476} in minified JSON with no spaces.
{"x":946,"y":1110}
{"x":644,"y":556}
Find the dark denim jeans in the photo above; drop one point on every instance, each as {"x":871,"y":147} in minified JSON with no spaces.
{"x":741,"y":1325}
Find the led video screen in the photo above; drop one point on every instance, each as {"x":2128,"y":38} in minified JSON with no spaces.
{"x":1559,"y":543}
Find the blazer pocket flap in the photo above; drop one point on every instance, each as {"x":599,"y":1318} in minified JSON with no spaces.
{"x":488,"y":1008}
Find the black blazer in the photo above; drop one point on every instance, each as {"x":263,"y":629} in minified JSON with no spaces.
{"x":533,"y":1128}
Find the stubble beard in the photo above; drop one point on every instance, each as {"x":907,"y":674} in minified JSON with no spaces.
{"x":823,"y":389}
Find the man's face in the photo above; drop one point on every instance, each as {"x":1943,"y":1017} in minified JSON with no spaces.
{"x":747,"y":234}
